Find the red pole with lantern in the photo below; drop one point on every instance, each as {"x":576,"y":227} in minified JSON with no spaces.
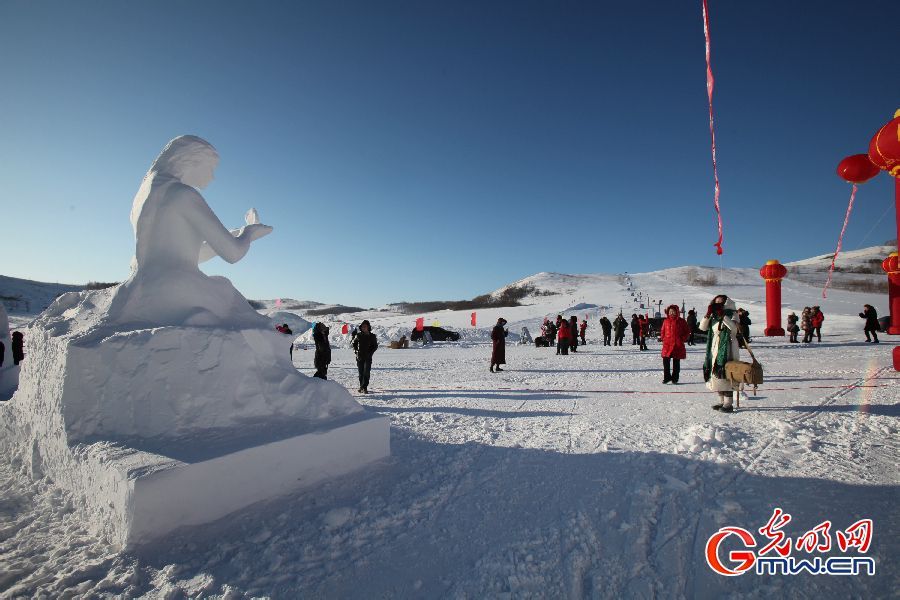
{"x":884,"y":153}
{"x":773,"y":272}
{"x":891,"y":266}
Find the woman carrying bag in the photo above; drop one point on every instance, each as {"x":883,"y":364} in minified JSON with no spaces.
{"x":721,"y":347}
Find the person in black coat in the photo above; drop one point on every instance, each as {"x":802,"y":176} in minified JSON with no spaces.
{"x":498,"y":340}
{"x":871,"y":316}
{"x":573,"y":333}
{"x":323,"y":350}
{"x":18,"y":346}
{"x":364,"y":344}
{"x":606,"y":325}
{"x":692,"y":325}
{"x":635,"y":330}
{"x":620,"y":325}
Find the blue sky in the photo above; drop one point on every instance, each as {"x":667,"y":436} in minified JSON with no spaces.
{"x":438,"y":150}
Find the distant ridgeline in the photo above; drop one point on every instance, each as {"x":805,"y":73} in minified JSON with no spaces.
{"x":510,"y":296}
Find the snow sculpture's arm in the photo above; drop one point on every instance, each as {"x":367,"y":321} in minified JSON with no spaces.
{"x":218,"y":241}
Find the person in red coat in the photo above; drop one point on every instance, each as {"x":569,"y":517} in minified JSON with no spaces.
{"x":562,"y":337}
{"x":498,"y":337}
{"x":674,"y":333}
{"x":818,"y":318}
{"x":581,"y":329}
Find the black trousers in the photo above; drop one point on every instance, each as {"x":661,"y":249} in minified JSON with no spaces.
{"x":620,"y":337}
{"x":873,"y":332}
{"x":634,"y":338}
{"x":606,"y":337}
{"x":562,"y":347}
{"x":691,"y":339}
{"x":365,"y":368}
{"x":643,"y":340}
{"x":321,"y":371}
{"x":676,"y":369}
{"x":818,"y":332}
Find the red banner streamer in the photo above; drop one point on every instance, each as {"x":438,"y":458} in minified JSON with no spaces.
{"x":710,"y":82}
{"x":840,"y":241}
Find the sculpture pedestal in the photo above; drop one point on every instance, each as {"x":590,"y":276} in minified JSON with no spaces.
{"x":774,"y":331}
{"x":133,"y":495}
{"x":153,"y":429}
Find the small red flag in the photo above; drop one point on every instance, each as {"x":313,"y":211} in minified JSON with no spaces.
{"x":345,"y":329}
{"x":420,"y":323}
{"x":474,"y":320}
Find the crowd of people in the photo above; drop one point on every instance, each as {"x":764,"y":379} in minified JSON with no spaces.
{"x":726,"y":329}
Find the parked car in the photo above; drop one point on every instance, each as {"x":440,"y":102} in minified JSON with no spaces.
{"x":438,"y":334}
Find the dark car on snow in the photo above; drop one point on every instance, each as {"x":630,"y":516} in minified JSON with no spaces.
{"x":438,"y":334}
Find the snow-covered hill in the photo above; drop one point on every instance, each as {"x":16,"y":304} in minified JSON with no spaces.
{"x":590,"y":296}
{"x":24,"y":299}
{"x":866,"y":260}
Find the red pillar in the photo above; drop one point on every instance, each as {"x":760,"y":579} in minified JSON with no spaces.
{"x":773,"y":272}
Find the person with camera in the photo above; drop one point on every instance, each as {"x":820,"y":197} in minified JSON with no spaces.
{"x":721,"y":347}
{"x":871,"y":316}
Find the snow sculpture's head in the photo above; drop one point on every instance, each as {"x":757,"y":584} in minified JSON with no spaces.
{"x":190,"y":159}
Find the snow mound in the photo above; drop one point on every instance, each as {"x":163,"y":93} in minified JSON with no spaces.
{"x":297,"y":323}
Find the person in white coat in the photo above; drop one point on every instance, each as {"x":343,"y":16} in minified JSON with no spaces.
{"x":721,"y":346}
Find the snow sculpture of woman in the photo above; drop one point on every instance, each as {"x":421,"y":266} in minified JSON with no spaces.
{"x":175,"y":230}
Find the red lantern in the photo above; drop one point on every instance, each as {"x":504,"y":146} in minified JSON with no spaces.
{"x":884,"y":149}
{"x":857,"y":169}
{"x":773,"y":271}
{"x":891,"y":266}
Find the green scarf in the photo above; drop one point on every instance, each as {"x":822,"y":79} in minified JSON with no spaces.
{"x":717,"y":368}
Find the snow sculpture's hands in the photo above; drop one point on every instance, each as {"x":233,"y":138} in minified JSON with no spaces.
{"x":254,"y":231}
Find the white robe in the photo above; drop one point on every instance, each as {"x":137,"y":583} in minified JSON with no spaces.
{"x":715,"y":384}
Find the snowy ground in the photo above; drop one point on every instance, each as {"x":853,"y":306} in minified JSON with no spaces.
{"x":564,"y":476}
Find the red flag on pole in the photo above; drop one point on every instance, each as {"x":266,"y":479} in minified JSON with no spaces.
{"x":420,"y":324}
{"x":345,"y":329}
{"x":474,"y":320}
